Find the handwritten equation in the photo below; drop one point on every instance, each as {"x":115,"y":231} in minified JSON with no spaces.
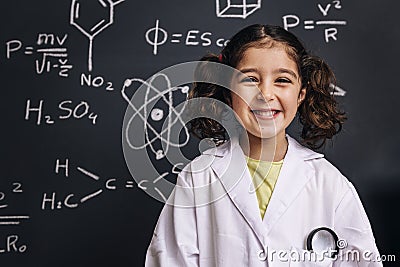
{"x":11,"y":243}
{"x":52,"y":54}
{"x":157,"y":36}
{"x":330,"y":26}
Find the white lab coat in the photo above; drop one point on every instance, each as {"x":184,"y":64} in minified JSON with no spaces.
{"x":201,"y":226}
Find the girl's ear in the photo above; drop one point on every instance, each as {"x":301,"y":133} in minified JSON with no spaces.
{"x":302,"y":96}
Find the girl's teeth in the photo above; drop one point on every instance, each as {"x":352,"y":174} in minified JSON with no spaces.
{"x":264,"y":113}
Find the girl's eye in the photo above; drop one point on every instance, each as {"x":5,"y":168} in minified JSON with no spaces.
{"x":283,"y":80}
{"x":249,"y":80}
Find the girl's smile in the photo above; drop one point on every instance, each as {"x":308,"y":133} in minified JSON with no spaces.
{"x":265,"y":114}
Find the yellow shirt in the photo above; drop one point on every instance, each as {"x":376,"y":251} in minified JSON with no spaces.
{"x":264,"y":175}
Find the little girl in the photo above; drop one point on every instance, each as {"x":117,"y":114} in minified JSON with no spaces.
{"x":299,"y":210}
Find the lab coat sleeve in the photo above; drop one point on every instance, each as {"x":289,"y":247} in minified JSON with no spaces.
{"x":355,"y":233}
{"x":174,"y":241}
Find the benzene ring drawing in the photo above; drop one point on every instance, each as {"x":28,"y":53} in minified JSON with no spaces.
{"x":102,"y":13}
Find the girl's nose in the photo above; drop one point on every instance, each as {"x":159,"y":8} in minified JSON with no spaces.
{"x":266,"y":92}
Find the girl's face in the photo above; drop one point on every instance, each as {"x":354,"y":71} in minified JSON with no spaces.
{"x":266,"y":95}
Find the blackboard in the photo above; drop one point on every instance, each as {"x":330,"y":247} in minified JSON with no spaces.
{"x":67,"y":195}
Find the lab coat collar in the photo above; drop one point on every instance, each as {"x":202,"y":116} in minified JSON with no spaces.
{"x":293,"y":148}
{"x":231,"y":169}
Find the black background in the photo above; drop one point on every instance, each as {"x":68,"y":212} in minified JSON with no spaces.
{"x":115,"y":227}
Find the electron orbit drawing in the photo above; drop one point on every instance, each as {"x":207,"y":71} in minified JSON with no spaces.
{"x":104,"y":9}
{"x":147,"y":111}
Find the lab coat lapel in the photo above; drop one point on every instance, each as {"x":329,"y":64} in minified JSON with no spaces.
{"x":294,"y":175}
{"x":231,"y":169}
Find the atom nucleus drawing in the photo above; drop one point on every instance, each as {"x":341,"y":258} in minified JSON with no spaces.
{"x":140,"y":132}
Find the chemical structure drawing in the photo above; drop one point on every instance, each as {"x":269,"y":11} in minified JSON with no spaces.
{"x":94,"y":177}
{"x":142,"y":114}
{"x":147,"y":184}
{"x":52,"y":201}
{"x":142,"y":185}
{"x":236,"y":8}
{"x":92,"y":28}
{"x":57,"y":201}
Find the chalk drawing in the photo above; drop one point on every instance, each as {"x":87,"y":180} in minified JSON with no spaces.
{"x":53,"y":54}
{"x":2,"y":197}
{"x":236,"y":8}
{"x":90,"y":31}
{"x":94,"y":177}
{"x":58,"y":201}
{"x":12,"y":220}
{"x":16,"y":189}
{"x":156,"y":114}
{"x":336,"y":90}
{"x":13,"y":245}
{"x":329,"y":26}
{"x":157,"y":36}
{"x":77,"y":111}
{"x":143,"y":187}
{"x":87,"y":173}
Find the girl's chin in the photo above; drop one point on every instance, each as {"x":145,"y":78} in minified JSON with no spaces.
{"x":263,"y":134}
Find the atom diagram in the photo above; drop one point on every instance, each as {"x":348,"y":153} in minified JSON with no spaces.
{"x":146,"y":110}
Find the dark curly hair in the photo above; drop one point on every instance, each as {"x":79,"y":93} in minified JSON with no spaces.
{"x":318,"y":113}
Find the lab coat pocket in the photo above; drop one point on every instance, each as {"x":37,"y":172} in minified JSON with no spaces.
{"x":304,"y":258}
{"x":230,"y":251}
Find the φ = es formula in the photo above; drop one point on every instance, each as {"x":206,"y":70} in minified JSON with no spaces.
{"x":157,"y":36}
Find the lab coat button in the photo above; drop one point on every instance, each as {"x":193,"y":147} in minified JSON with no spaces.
{"x":262,"y":256}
